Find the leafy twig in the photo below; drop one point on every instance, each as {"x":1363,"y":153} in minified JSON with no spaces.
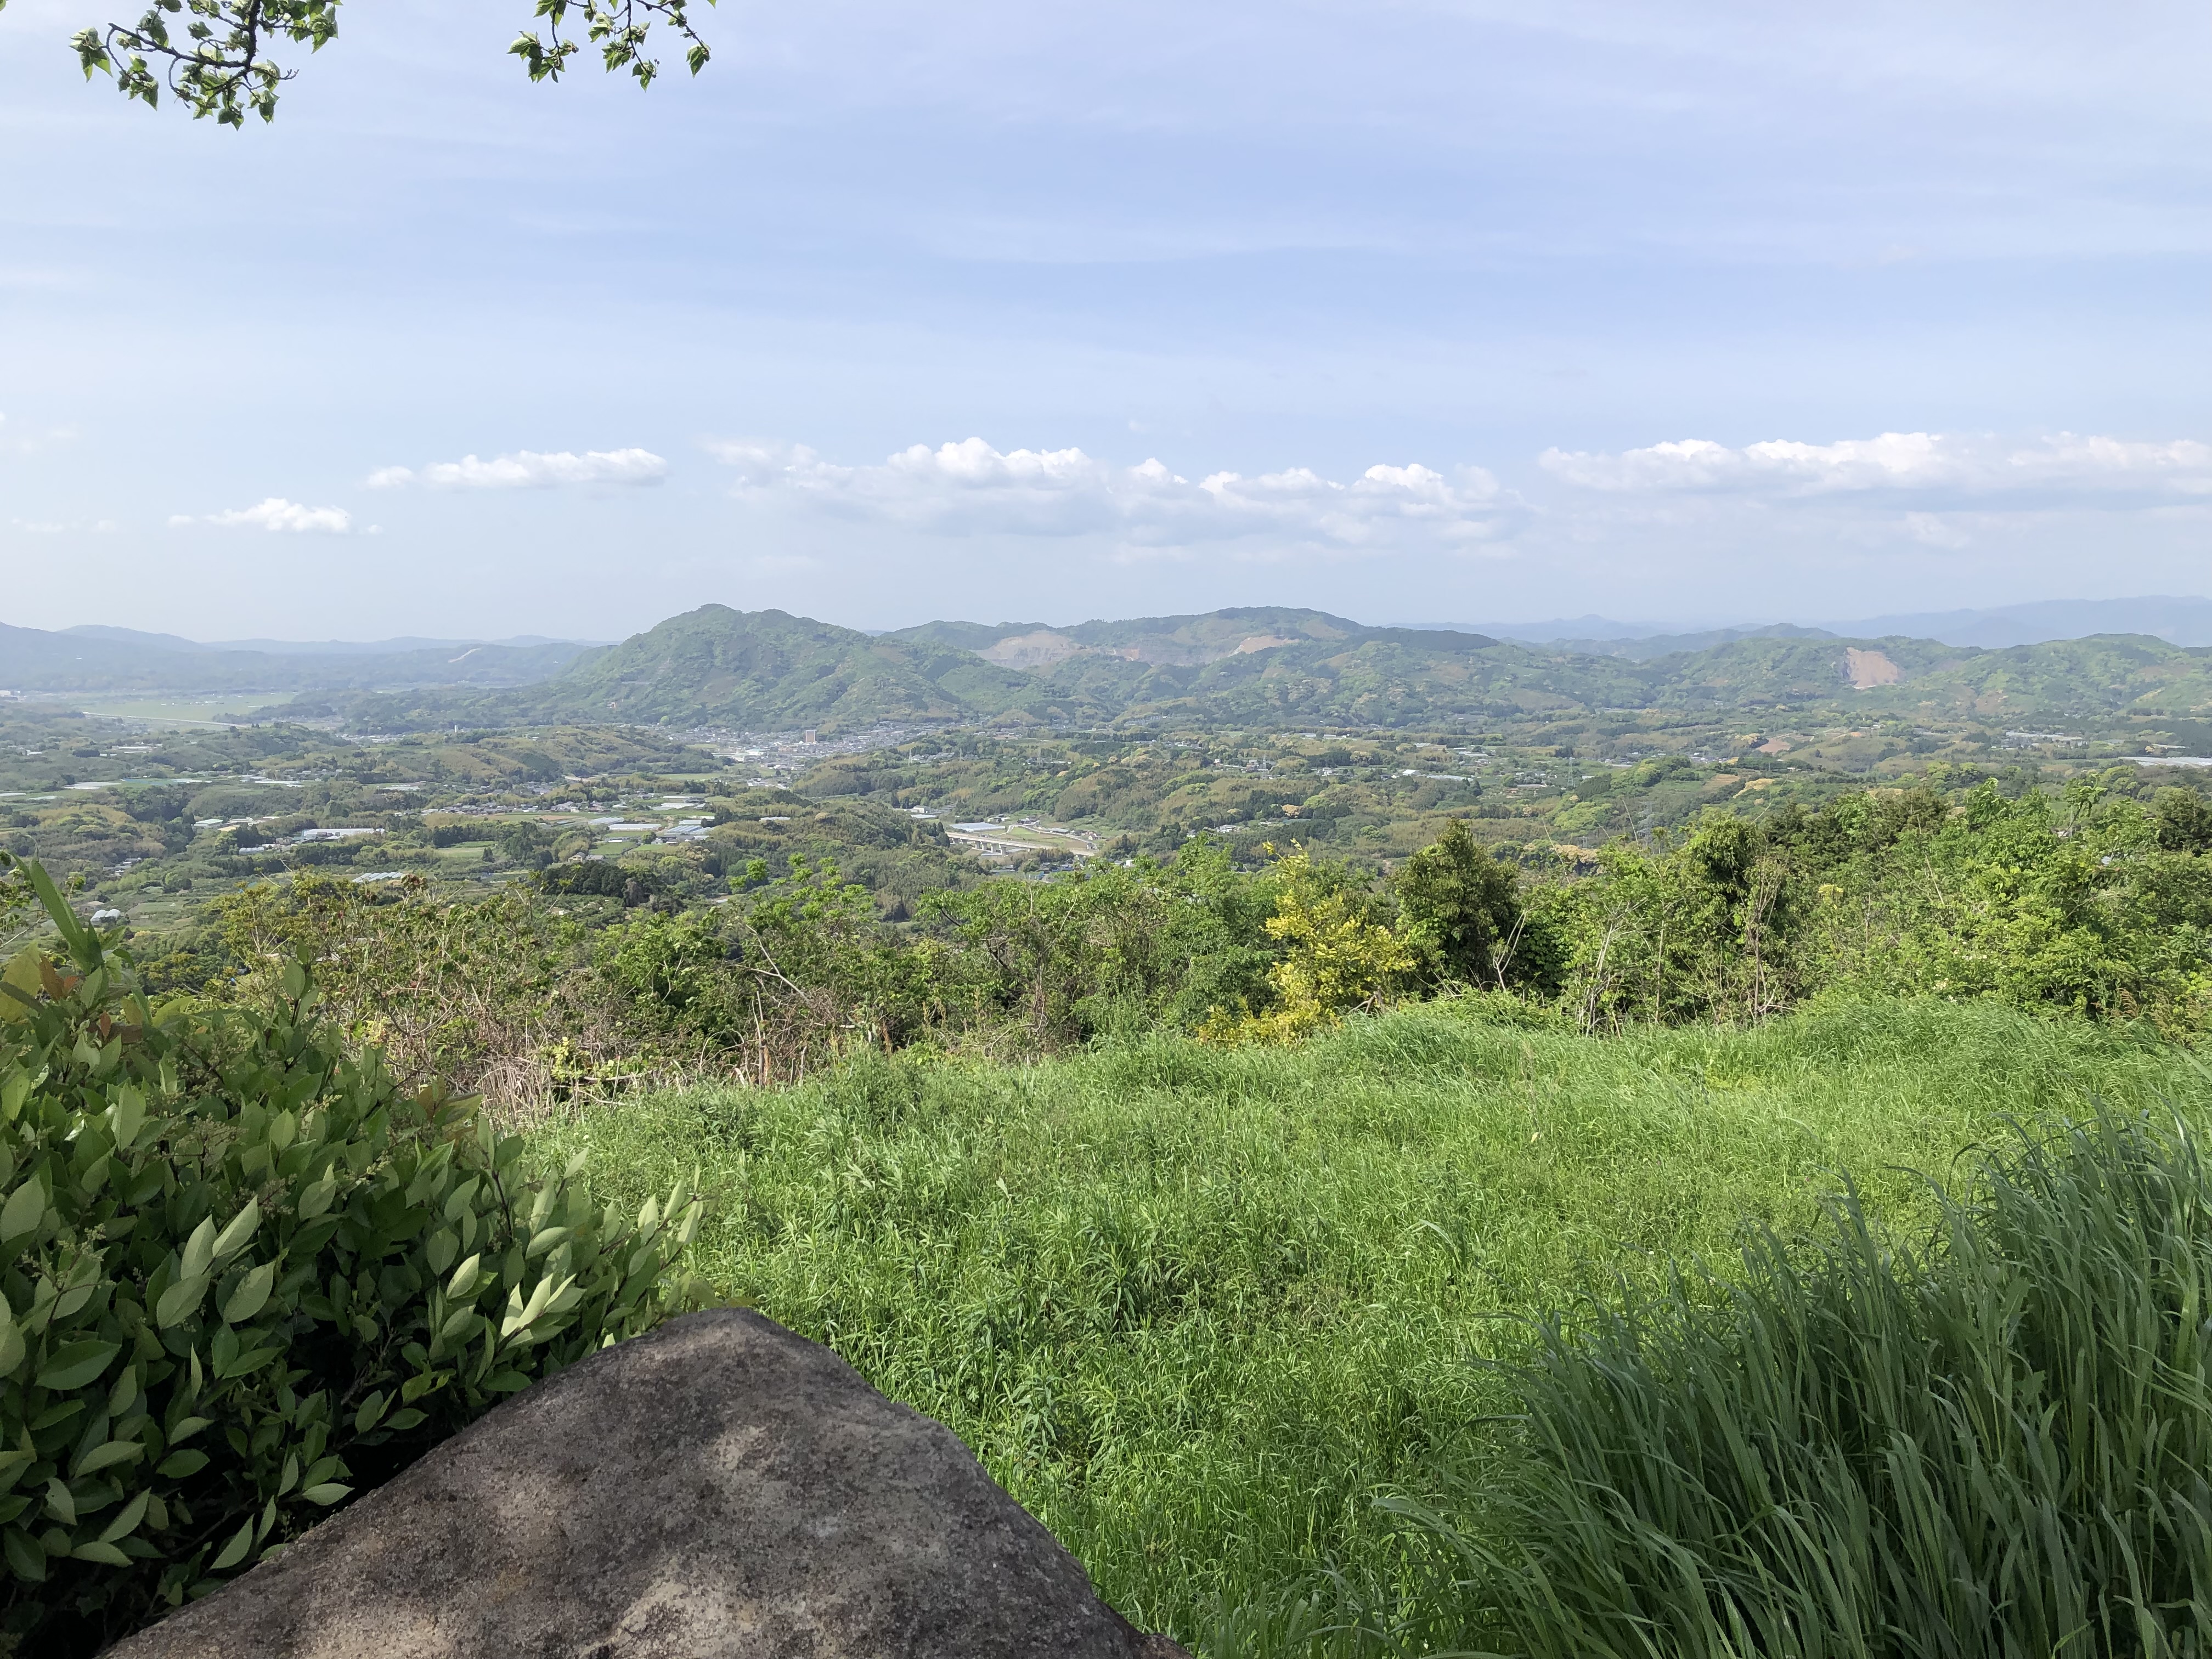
{"x":213,"y":55}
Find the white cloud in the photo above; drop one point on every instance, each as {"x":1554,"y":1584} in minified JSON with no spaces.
{"x":274,"y":515}
{"x":527,"y":468}
{"x":1961,"y":464}
{"x":972,"y":488}
{"x":56,"y":528}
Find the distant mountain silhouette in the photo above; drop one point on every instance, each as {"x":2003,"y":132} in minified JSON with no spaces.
{"x":2178,"y":620}
{"x":95,"y":659}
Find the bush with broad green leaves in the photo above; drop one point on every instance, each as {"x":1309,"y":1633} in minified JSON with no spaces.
{"x":246,"y":1275}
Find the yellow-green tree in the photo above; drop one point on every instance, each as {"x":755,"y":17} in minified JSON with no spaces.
{"x":1339,"y":956}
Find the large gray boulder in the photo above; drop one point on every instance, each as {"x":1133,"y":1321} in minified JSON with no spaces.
{"x":719,"y":1489}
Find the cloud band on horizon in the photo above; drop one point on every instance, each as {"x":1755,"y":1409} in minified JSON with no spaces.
{"x":528,"y":469}
{"x":971,"y":488}
{"x":1964,"y":463}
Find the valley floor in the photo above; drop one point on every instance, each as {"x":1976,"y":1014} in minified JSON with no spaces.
{"x":1198,"y":1308}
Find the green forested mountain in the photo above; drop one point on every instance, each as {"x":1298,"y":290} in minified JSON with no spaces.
{"x":716,"y":666}
{"x":1177,"y":642}
{"x":2105,"y":673}
{"x":1668,"y":645}
{"x":729,"y":667}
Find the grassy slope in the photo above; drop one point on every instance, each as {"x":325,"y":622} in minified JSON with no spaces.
{"x":1195,"y":1309}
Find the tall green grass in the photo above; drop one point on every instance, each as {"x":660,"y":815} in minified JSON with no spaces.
{"x":1997,"y":1442}
{"x":1199,"y":1308}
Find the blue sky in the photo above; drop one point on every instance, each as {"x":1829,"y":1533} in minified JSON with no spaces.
{"x":1413,"y":312}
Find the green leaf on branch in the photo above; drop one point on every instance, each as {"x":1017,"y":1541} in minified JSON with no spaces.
{"x":75,"y":1364}
{"x":22,"y":1213}
{"x":180,"y":1301}
{"x":233,"y":1237}
{"x":107,"y":1456}
{"x":200,"y":1250}
{"x":317,"y":1198}
{"x":26,"y":1559}
{"x":463,"y":1284}
{"x":127,"y":1522}
{"x":235,"y":1552}
{"x":251,"y":1296}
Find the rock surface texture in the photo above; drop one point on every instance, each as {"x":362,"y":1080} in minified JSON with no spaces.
{"x":719,"y":1489}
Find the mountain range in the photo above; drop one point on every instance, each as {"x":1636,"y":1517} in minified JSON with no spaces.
{"x":768,"y":670}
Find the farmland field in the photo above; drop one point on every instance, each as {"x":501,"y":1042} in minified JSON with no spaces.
{"x":181,"y":709}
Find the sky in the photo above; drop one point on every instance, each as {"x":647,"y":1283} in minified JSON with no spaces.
{"x":1477,"y":311}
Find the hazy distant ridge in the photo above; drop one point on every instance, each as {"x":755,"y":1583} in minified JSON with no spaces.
{"x":82,"y":659}
{"x":2178,"y":620}
{"x":311,"y":647}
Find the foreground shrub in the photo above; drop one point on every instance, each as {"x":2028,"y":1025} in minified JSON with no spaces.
{"x":245,"y":1276}
{"x":476,"y":994}
{"x":1339,"y":954}
{"x":2085,"y":902}
{"x":2000,"y":1445}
